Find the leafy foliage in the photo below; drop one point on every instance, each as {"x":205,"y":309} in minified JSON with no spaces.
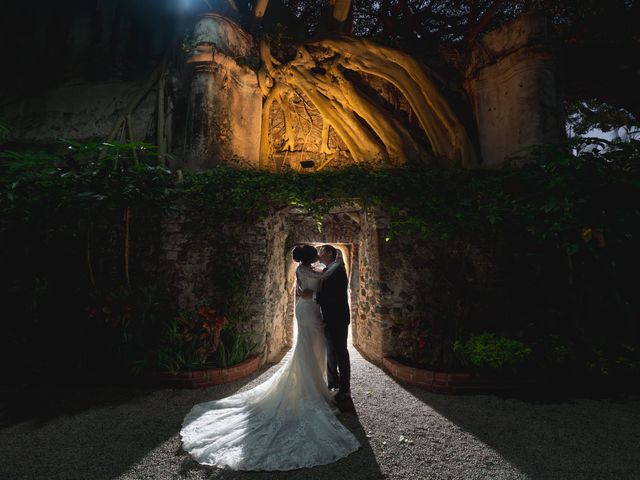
{"x":566,"y":226}
{"x":489,"y":351}
{"x":5,"y":129}
{"x":189,"y":342}
{"x":585,"y":116}
{"x":235,"y":345}
{"x":427,"y":348}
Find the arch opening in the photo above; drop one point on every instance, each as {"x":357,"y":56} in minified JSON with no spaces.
{"x":356,"y":235}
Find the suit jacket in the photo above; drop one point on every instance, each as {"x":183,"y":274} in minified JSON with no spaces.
{"x":333,"y":298}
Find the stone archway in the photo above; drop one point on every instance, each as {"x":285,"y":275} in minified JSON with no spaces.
{"x":349,"y":253}
{"x":388,"y":282}
{"x":357,"y":234}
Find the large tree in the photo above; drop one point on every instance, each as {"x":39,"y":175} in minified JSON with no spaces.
{"x":596,"y":40}
{"x":324,"y":47}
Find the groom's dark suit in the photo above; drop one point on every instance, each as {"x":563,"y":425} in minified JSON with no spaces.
{"x":334,"y":304}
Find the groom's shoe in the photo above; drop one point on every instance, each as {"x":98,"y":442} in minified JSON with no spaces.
{"x":340,"y":396}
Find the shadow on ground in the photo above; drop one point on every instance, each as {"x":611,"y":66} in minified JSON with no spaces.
{"x":97,"y":433}
{"x":39,"y":405}
{"x":133,"y":434}
{"x":550,"y":436}
{"x":129,"y":433}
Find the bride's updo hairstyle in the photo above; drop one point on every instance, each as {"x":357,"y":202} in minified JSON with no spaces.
{"x":304,"y":254}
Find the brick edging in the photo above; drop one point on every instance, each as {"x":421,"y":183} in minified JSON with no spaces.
{"x":444,"y":382}
{"x":207,"y":378}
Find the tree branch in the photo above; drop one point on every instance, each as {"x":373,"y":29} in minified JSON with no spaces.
{"x":481,"y":24}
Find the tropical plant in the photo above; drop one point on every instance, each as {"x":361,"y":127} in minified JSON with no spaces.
{"x":189,"y":341}
{"x":420,"y":344}
{"x":115,"y":310}
{"x":489,"y":351}
{"x":5,"y":129}
{"x":235,"y":346}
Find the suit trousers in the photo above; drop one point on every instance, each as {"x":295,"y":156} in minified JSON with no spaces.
{"x":338,"y":365}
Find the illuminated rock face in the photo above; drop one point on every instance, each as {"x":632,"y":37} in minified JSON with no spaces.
{"x":393,"y":285}
{"x":78,"y":112}
{"x":186,"y":271}
{"x":338,"y":101}
{"x":224,"y":102}
{"x":512,"y":85}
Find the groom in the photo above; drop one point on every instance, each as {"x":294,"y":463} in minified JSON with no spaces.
{"x":334,"y":304}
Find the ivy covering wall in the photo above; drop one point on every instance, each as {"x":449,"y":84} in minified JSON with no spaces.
{"x":80,"y":222}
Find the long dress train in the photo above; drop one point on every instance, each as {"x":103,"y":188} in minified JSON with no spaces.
{"x":287,"y":422}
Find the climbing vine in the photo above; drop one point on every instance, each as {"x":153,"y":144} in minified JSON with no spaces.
{"x":562,"y":199}
{"x":573,"y":215}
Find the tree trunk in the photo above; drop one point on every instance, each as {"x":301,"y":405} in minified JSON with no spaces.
{"x":370,"y":133}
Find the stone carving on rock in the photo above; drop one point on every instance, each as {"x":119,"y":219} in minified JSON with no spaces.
{"x":335,"y":77}
{"x":327,"y":105}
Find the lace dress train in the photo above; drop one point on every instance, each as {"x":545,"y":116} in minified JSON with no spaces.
{"x":287,"y":422}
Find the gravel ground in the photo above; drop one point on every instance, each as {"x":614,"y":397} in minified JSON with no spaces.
{"x":133,"y":434}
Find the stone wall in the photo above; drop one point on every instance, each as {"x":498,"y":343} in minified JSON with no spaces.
{"x":512,"y":85}
{"x":213,"y":106}
{"x":224,"y":103}
{"x":392,"y":283}
{"x":368,"y":325}
{"x":192,"y":258}
{"x":272,"y":293}
{"x":438,"y":286}
{"x":189,"y":257}
{"x":79,"y":112}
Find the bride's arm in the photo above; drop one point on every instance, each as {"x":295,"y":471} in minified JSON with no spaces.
{"x":298,"y":287}
{"x":299,"y":291}
{"x":334,"y":266}
{"x":324,"y":275}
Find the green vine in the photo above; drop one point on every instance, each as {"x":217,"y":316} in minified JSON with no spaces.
{"x":574,"y":215}
{"x":551,"y":200}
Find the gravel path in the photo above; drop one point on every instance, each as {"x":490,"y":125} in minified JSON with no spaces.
{"x":133,"y":434}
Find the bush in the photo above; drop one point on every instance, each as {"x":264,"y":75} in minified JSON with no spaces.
{"x":207,"y":340}
{"x":190,"y":341}
{"x":492,"y":352}
{"x":235,"y":346}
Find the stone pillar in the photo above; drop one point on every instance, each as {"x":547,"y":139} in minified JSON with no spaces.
{"x":225,"y":104}
{"x":370,"y":325}
{"x":512,"y":86}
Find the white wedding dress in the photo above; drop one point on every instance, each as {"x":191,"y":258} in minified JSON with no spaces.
{"x":287,"y":422}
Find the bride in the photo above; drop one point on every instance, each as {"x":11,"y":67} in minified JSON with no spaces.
{"x":287,"y":422}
